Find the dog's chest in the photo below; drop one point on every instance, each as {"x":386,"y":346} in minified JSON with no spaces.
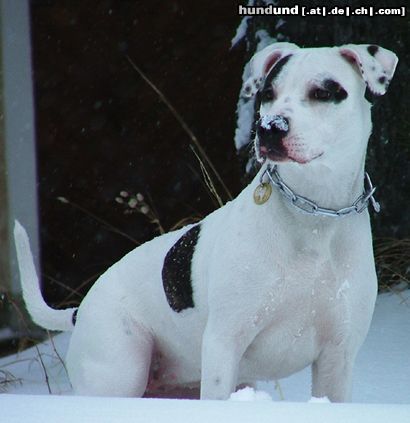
{"x":279,"y":351}
{"x":302,"y":311}
{"x":290,"y":343}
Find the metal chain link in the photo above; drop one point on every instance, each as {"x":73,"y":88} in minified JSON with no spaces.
{"x":310,"y":207}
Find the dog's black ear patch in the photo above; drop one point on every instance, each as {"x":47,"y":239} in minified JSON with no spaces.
{"x":275,"y":71}
{"x":176,"y":271}
{"x":372,"y":49}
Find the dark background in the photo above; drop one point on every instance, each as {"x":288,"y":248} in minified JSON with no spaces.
{"x":101,"y":128}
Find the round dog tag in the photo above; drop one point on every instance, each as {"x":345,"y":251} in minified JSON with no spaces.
{"x":262,"y":193}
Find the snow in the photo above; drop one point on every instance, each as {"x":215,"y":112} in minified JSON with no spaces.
{"x":342,"y":290}
{"x":17,"y":409}
{"x":323,"y":400}
{"x":382,"y":376}
{"x":245,"y":106}
{"x":240,"y":31}
{"x":6,"y":333}
{"x":264,"y":39}
{"x":245,"y":113}
{"x":267,"y":121}
{"x":250,"y":394}
{"x":243,"y":27}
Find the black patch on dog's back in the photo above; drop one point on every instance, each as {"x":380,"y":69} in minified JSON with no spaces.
{"x":176,"y":271}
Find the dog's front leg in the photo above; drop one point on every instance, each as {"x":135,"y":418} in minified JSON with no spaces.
{"x":219,"y":370}
{"x":332,"y":374}
{"x":221,"y":354}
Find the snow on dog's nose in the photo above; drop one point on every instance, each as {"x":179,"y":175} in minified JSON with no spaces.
{"x":275,"y":123}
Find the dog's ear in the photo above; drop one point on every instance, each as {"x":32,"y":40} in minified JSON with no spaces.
{"x":376,"y":65}
{"x":261,"y":63}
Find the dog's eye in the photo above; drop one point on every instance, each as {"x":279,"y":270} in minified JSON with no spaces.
{"x":268,"y":94}
{"x":329,"y":91}
{"x":320,"y":94}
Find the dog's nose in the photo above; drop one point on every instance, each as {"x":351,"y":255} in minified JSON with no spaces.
{"x":271,"y":129}
{"x":272,"y":126}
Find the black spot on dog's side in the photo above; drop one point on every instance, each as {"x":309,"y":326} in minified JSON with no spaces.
{"x":176,"y":271}
{"x":372,"y":49}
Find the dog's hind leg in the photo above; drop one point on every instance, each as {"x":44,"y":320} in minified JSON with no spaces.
{"x":110,"y":361}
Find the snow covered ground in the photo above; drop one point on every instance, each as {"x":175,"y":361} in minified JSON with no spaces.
{"x":382,"y":376}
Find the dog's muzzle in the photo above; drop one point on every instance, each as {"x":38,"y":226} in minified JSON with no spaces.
{"x":271,"y":130}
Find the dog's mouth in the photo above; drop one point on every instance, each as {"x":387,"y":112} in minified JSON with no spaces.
{"x":304,"y":160}
{"x":281,"y":154}
{"x":273,"y":154}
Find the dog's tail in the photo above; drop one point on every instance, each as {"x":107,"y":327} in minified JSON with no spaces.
{"x":40,"y":312}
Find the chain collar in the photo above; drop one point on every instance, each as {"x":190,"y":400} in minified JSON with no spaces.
{"x":310,"y":207}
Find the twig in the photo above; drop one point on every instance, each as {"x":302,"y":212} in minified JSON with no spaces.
{"x":8,"y":378}
{"x":392,"y":258}
{"x":23,"y":321}
{"x":200,"y":176}
{"x":185,"y":221}
{"x":81,"y":286}
{"x":404,"y":300}
{"x":155,"y":216}
{"x":63,"y":285}
{"x":207,"y":178}
{"x":135,"y":203}
{"x":279,"y":389}
{"x":21,"y":360}
{"x":182,"y":122}
{"x":58,"y":354}
{"x":98,"y":219}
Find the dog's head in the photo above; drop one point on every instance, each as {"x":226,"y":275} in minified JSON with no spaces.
{"x":311,"y":102}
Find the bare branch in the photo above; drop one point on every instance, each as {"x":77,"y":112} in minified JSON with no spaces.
{"x":184,"y":125}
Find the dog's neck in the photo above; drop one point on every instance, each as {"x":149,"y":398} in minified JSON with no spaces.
{"x":328,"y":188}
{"x":333,"y":188}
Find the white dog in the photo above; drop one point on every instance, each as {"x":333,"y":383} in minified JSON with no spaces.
{"x":280,"y":278}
